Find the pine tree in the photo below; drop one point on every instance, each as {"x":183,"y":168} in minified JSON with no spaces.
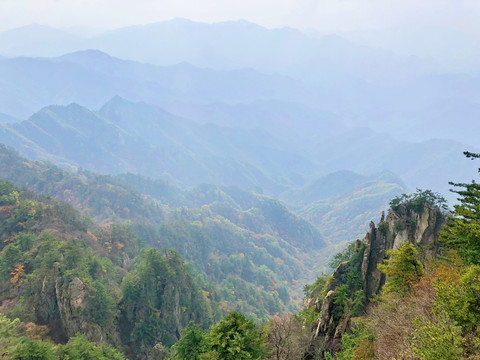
{"x":403,"y":269}
{"x":236,"y":337}
{"x":191,"y":345}
{"x":462,"y":232}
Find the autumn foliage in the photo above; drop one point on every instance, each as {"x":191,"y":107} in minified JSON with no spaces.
{"x":17,"y":275}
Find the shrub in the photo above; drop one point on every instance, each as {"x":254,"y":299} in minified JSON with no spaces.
{"x":440,"y":339}
{"x":402,"y":268}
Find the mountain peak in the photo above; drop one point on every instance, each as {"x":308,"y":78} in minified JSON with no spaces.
{"x":116,"y":101}
{"x":88,"y":53}
{"x":34,"y":26}
{"x":60,"y":110}
{"x":35,"y":29}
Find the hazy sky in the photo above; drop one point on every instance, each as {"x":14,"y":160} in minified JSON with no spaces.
{"x":322,"y":15}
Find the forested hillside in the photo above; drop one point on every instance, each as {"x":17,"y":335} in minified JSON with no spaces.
{"x":407,"y":289}
{"x":255,"y":251}
{"x":209,"y":189}
{"x":119,"y":289}
{"x":63,"y":275}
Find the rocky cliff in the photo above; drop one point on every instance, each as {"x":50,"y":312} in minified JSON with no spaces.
{"x":419,"y":225}
{"x":61,"y":304}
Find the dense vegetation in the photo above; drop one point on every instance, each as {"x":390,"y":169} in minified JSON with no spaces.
{"x":346,"y":215}
{"x":73,"y":288}
{"x":249,"y":247}
{"x":67,"y":275}
{"x":28,"y":342}
{"x":104,"y":198}
{"x":235,"y":337}
{"x":428,"y":309}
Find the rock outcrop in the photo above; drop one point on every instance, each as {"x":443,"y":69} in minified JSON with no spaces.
{"x":72,"y":302}
{"x":401,"y":225}
{"x":61,"y":304}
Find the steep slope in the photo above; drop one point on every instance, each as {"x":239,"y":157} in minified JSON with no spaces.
{"x":253,"y":250}
{"x":60,"y":271}
{"x":111,"y":141}
{"x":244,"y":242}
{"x":417,"y":220}
{"x":345,"y":198}
{"x":102,"y":197}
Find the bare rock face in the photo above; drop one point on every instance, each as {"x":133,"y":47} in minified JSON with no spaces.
{"x":71,"y":299}
{"x":61,"y":304}
{"x":420,"y":228}
{"x":46,"y":308}
{"x":402,"y":225}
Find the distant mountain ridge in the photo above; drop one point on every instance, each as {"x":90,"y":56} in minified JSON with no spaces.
{"x":354,"y":208}
{"x":140,"y":138}
{"x":91,"y":78}
{"x":241,"y":44}
{"x":191,"y":153}
{"x":413,"y":108}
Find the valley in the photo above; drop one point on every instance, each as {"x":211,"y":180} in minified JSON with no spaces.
{"x":189,"y":190}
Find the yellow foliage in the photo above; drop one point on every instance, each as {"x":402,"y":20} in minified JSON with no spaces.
{"x":17,"y":275}
{"x":93,"y":237}
{"x":36,"y":332}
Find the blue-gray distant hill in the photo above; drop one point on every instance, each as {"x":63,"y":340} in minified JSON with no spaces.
{"x":414,"y":109}
{"x":5,"y":118}
{"x":226,"y":45}
{"x":125,"y":136}
{"x":91,"y":78}
{"x":135,"y":137}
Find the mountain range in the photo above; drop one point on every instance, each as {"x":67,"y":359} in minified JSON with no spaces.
{"x":124,"y":136}
{"x":239,"y":63}
{"x":155,"y":178}
{"x":241,"y":44}
{"x":227,"y":118}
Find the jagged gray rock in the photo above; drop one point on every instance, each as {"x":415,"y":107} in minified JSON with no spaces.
{"x":71,"y":299}
{"x":61,"y":304}
{"x":400,"y":225}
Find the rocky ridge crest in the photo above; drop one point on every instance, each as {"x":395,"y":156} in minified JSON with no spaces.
{"x":400,"y":225}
